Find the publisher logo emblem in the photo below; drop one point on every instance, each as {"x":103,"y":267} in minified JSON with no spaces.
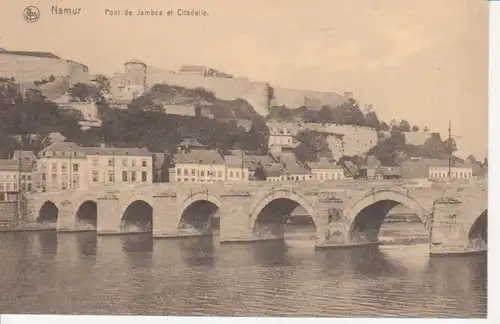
{"x":31,"y":14}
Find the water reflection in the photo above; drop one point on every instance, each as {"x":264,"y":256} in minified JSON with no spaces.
{"x":197,"y":251}
{"x":134,"y":274}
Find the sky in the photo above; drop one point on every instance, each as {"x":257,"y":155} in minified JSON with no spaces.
{"x":425,"y":61}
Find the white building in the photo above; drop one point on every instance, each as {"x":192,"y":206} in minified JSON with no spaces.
{"x":280,"y":138}
{"x":236,"y":169}
{"x":113,"y":166}
{"x":198,"y":165}
{"x":434,"y":169}
{"x":10,"y":170}
{"x":456,"y":172}
{"x":326,"y":171}
{"x":61,"y":165}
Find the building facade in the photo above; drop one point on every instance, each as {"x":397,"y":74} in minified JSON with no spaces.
{"x":236,"y":169}
{"x":14,"y":175}
{"x":198,"y":165}
{"x":61,"y":166}
{"x":111,"y":166}
{"x":326,"y":171}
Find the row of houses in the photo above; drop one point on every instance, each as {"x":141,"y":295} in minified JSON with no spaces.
{"x":65,"y":165}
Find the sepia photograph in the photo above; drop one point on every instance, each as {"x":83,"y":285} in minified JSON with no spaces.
{"x":244,"y":158}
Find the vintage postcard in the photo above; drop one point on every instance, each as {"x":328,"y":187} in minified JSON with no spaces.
{"x":244,"y":158}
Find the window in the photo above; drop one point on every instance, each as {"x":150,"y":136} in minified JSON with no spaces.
{"x":133,"y":163}
{"x":111,"y":176}
{"x":219,"y":174}
{"x":124,"y":176}
{"x":23,"y":177}
{"x":202,"y":173}
{"x":145,"y":176}
{"x":54,"y":167}
{"x":193,"y":172}
{"x":231,"y":174}
{"x":95,"y":161}
{"x":54,"y":177}
{"x":144,"y":163}
{"x":178,"y":172}
{"x":14,"y":186}
{"x":44,"y":176}
{"x":237,"y":174}
{"x":111,"y":162}
{"x":29,"y":186}
{"x":64,"y":167}
{"x":132,"y":176}
{"x":44,"y":166}
{"x":1,"y":186}
{"x":75,"y":167}
{"x":186,"y":172}
{"x":95,"y":176}
{"x":124,"y":162}
{"x":8,"y":186}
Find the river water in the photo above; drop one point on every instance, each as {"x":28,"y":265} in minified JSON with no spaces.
{"x":45,"y":272}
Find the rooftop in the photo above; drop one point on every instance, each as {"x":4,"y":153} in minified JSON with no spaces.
{"x":324,"y":164}
{"x":13,"y":165}
{"x":191,"y":142}
{"x":120,"y":151}
{"x":234,"y":161}
{"x":196,"y":156}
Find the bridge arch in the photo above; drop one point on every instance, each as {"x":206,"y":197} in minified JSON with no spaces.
{"x":367,"y":214}
{"x":137,"y":216}
{"x":198,"y":211}
{"x":269,"y":213}
{"x":48,"y":212}
{"x":478,"y":230}
{"x":86,"y":214}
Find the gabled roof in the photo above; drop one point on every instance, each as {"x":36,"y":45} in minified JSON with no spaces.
{"x":117,"y":151}
{"x":234,"y":161}
{"x":206,"y":157}
{"x":190,"y":142}
{"x":13,"y":165}
{"x":27,"y":155}
{"x":324,"y":164}
{"x":63,"y":147}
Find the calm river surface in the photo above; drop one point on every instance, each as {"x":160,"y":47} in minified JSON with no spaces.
{"x":46,"y":272}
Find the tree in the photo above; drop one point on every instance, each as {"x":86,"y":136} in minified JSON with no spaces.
{"x":84,"y":92}
{"x":404,"y":126}
{"x":349,"y":114}
{"x":103,"y":83}
{"x":372,"y":120}
{"x":384,"y":127}
{"x":472,"y":159}
{"x":451,"y":145}
{"x":426,"y":129}
{"x":415,"y":128}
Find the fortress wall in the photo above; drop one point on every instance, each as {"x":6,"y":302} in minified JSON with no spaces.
{"x":256,"y":93}
{"x":293,"y":98}
{"x":357,"y":139}
{"x":31,"y":68}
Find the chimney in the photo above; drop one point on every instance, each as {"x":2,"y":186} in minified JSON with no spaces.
{"x":348,"y":95}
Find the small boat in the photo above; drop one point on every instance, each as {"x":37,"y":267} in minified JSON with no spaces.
{"x":457,"y":251}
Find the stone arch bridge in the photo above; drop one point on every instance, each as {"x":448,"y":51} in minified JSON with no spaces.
{"x":345,"y":213}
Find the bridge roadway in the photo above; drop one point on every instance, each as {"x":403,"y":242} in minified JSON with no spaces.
{"x":345,"y":213}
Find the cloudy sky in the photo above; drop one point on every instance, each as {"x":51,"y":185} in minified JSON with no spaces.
{"x":425,"y":61}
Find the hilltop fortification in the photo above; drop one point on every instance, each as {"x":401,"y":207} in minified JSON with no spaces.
{"x":24,"y":66}
{"x":138,"y":77}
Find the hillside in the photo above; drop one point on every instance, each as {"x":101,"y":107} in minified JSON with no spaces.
{"x":214,"y":106}
{"x":140,"y":125}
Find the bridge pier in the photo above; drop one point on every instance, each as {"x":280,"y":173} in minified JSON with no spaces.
{"x":450,"y":229}
{"x":109,"y":219}
{"x":66,"y":221}
{"x":233,"y":228}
